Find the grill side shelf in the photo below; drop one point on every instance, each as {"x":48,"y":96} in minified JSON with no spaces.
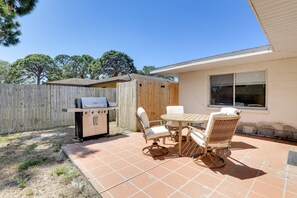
{"x":73,"y":110}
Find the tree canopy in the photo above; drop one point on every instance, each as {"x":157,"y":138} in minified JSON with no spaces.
{"x":16,"y":74}
{"x":84,"y":66}
{"x":9,"y":26}
{"x":39,"y":68}
{"x":116,"y":63}
{"x":4,"y":67}
{"x":146,"y":70}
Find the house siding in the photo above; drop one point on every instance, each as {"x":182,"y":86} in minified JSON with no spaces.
{"x":280,"y":118}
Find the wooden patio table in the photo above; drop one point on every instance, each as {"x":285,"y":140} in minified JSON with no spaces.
{"x":186,"y":118}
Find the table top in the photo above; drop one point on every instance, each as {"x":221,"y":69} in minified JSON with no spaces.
{"x":186,"y":117}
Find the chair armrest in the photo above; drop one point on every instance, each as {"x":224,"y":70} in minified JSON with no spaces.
{"x":191,"y":128}
{"x":160,"y":121}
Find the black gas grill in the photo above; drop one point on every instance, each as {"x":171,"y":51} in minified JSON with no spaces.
{"x":91,"y":117}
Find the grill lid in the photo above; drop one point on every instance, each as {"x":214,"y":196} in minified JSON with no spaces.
{"x":91,"y":102}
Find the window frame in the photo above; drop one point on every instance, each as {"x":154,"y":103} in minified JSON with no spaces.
{"x":234,"y":91}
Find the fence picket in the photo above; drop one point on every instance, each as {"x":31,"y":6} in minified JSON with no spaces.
{"x":36,"y":107}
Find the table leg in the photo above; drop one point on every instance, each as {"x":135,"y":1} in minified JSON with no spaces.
{"x":180,"y":137}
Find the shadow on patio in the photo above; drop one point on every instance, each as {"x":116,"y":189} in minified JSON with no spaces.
{"x":116,"y":167}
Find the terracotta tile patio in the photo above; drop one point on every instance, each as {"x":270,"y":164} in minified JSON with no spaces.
{"x":255,"y":167}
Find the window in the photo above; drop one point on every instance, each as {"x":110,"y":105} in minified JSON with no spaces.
{"x":246,"y":89}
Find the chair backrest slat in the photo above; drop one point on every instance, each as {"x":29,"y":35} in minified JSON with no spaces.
{"x":174,"y":109}
{"x":223,"y":130}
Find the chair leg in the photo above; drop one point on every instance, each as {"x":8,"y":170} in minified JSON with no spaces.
{"x":218,"y":162}
{"x":155,"y":150}
{"x":215,"y":160}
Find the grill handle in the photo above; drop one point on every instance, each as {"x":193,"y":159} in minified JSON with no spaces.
{"x":95,"y":120}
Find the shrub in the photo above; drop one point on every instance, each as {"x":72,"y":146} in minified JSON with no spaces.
{"x":30,"y":148}
{"x":61,"y":170}
{"x":67,"y":179}
{"x":21,"y":182}
{"x":29,"y":192}
{"x":30,"y":162}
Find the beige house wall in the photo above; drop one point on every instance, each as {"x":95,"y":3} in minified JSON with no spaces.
{"x":281,"y":100}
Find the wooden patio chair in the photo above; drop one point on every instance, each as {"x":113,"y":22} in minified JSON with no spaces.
{"x":152,"y":133}
{"x":217,"y":135}
{"x":230,"y":111}
{"x":172,"y":125}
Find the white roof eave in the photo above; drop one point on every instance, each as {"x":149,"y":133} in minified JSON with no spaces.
{"x":208,"y":61}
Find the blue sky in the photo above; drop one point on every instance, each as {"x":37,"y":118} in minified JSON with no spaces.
{"x":152,"y":32}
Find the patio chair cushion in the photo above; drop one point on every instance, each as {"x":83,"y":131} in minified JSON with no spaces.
{"x":156,"y":132}
{"x":143,"y":116}
{"x":175,"y":109}
{"x":230,"y":111}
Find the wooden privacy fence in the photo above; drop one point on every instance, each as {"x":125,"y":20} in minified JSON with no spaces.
{"x":35,"y":107}
{"x":153,"y":96}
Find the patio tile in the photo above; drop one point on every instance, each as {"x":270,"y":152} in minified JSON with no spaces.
{"x":143,"y":180}
{"x":159,"y":189}
{"x":129,"y":172}
{"x":97,"y":185}
{"x":292,"y":169}
{"x":266,"y":189}
{"x":193,"y":189}
{"x":292,"y":186}
{"x":218,"y":173}
{"x":252,"y":168}
{"x":132,"y":159}
{"x":108,"y":158}
{"x":178,"y":194}
{"x":183,"y":160}
{"x":274,"y":172}
{"x":217,"y":195}
{"x":159,"y":172}
{"x":145,"y":165}
{"x":172,"y":165}
{"x":290,"y":195}
{"x":188,"y":172}
{"x":232,"y":190}
{"x":119,"y":164}
{"x":274,"y":181}
{"x":207,"y":181}
{"x":106,"y":195}
{"x":123,"y":154}
{"x":82,"y":159}
{"x":110,"y":180}
{"x":174,"y":180}
{"x":246,"y":183}
{"x":255,"y":195}
{"x":140,"y":194}
{"x":100,"y":171}
{"x":123,"y":190}
{"x":81,"y":154}
{"x":102,"y":153}
{"x":90,"y":164}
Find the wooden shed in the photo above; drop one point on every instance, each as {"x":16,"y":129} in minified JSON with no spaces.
{"x":153,"y":96}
